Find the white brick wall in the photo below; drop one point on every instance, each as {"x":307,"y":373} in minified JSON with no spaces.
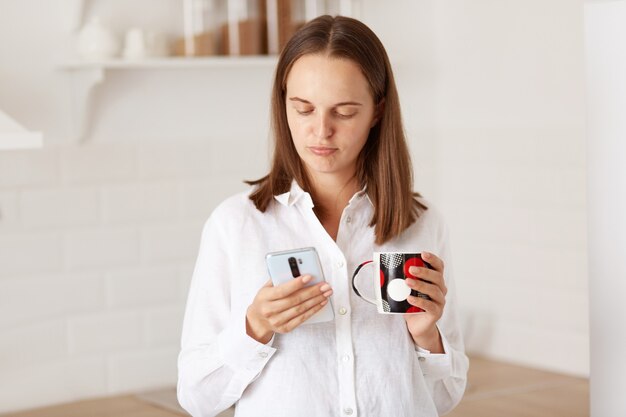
{"x":139,"y":287}
{"x":27,"y":168}
{"x":33,"y":298}
{"x":106,"y":247}
{"x":9,"y":212}
{"x":169,"y":243}
{"x":184,"y":278}
{"x":37,"y":343}
{"x":198,"y":195}
{"x":97,"y":247}
{"x":512,"y":162}
{"x":39,"y":384}
{"x":59,"y":207}
{"x":137,"y":202}
{"x":30,"y":253}
{"x":98,"y":163}
{"x":164,"y":325}
{"x":142,"y":370}
{"x":167,"y":161}
{"x":105,"y":333}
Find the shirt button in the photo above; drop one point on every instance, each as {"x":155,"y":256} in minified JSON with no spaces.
{"x":339,"y":263}
{"x":348,"y":219}
{"x":348,"y":411}
{"x":343,"y":311}
{"x":421,"y":359}
{"x":345,"y":358}
{"x":263,"y":354}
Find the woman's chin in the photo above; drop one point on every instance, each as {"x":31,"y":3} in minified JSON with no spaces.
{"x":328,"y":170}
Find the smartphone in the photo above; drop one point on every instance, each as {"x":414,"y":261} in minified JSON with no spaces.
{"x":287,"y":265}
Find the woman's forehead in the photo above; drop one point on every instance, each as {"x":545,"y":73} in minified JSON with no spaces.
{"x":324,"y":79}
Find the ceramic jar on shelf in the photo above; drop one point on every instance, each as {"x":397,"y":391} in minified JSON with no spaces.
{"x":96,"y":42}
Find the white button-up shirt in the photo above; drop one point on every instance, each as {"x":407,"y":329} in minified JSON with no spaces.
{"x":361,"y":364}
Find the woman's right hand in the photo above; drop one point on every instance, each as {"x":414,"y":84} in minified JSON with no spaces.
{"x":282,"y":308}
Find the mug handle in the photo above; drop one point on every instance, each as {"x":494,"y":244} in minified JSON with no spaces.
{"x":356,"y":290}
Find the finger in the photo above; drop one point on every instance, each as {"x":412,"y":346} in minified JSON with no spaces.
{"x":265,"y":291}
{"x":426,"y":305}
{"x":285,"y":289}
{"x":268,"y":284}
{"x":279,"y":320}
{"x":426,"y":274}
{"x":301,"y":296}
{"x":433,"y":291}
{"x":431,"y":276}
{"x":433,"y":260}
{"x":298,"y":320}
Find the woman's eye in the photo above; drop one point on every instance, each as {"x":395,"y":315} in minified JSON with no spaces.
{"x":345,"y":115}
{"x":304,"y":112}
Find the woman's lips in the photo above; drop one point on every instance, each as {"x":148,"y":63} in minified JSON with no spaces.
{"x":322,"y":150}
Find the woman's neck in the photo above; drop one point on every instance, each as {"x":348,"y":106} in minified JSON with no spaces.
{"x":331,"y":195}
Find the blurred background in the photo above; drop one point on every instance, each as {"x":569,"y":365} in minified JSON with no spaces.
{"x":153,"y":111}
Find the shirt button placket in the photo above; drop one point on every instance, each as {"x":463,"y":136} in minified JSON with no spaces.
{"x":347,"y":395}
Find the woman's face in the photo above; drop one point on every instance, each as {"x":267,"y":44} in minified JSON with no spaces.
{"x":330,"y":112}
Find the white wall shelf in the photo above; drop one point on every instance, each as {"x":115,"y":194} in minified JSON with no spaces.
{"x":85,"y":76}
{"x":176,"y":63}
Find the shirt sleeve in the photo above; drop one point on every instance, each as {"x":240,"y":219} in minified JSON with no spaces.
{"x":218,"y":360}
{"x":435,"y":366}
{"x":446,"y":373}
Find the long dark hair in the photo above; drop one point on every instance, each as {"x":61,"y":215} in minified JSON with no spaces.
{"x":384,"y":164}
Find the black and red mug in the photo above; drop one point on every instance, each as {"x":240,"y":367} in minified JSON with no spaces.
{"x":390,"y":273}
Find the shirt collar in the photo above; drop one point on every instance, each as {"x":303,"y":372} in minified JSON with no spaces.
{"x":359,"y":195}
{"x":292,"y":196}
{"x":296,"y":193}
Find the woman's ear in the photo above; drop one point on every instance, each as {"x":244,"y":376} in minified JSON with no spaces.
{"x":378,"y":112}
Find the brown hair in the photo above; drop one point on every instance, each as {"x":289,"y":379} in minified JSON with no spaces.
{"x":384,"y":164}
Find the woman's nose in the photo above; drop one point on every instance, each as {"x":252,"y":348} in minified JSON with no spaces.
{"x":324,"y":128}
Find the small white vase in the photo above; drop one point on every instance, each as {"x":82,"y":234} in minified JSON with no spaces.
{"x":96,"y":42}
{"x":135,"y":44}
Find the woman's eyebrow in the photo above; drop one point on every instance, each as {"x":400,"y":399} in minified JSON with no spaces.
{"x":348,"y":103}
{"x":343,"y":103}
{"x":299,"y":99}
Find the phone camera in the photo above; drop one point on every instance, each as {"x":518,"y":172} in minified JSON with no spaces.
{"x":293,"y":264}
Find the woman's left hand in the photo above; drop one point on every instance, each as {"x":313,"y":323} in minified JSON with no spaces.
{"x":422,"y":326}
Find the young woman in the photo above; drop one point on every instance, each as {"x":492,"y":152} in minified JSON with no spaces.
{"x":340,"y":181}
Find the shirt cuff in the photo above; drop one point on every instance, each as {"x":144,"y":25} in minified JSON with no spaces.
{"x":241,"y":352}
{"x":435,"y":366}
